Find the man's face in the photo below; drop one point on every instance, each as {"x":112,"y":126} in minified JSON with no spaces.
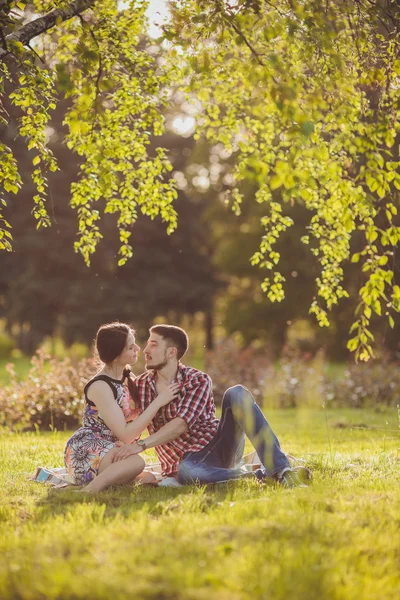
{"x":157,"y":352}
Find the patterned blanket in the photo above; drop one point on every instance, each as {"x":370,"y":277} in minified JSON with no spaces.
{"x":58,"y":477}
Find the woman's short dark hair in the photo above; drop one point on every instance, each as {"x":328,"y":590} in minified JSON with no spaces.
{"x":111,"y":340}
{"x":174,"y":336}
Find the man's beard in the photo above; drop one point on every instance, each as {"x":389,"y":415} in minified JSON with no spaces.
{"x":159,"y":366}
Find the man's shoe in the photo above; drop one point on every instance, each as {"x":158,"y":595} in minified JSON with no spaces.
{"x":303,"y":473}
{"x":260,"y":474}
{"x":290,"y":479}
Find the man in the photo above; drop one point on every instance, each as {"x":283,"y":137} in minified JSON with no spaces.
{"x":190,"y":442}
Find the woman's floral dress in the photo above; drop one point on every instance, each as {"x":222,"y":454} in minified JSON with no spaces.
{"x":88,"y":445}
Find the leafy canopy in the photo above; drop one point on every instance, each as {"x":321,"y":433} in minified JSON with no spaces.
{"x":116,"y":91}
{"x":303,"y":93}
{"x":306,"y":96}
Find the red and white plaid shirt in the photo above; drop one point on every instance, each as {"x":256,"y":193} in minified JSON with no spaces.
{"x":195,"y":405}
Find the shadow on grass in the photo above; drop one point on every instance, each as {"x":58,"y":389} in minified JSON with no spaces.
{"x":127,"y":500}
{"x":281,"y":556}
{"x":247,"y":538}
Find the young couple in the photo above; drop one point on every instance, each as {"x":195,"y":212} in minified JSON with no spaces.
{"x":175,"y":403}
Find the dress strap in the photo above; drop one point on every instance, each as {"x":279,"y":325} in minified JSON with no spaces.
{"x":111,"y":382}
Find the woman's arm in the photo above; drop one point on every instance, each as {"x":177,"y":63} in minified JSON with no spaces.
{"x":101,"y":395}
{"x":169,"y":432}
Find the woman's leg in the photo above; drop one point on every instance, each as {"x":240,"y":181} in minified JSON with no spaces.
{"x":116,"y":473}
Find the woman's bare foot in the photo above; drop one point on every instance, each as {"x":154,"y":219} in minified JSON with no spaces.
{"x":146,"y":478}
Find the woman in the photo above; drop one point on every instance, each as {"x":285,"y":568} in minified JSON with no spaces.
{"x":110,"y":415}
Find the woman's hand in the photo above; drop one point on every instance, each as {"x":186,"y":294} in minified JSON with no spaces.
{"x":125,"y":450}
{"x":171,"y":392}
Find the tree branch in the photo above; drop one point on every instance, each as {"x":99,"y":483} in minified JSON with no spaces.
{"x":100,"y":69}
{"x":246,"y":41}
{"x":43,"y":24}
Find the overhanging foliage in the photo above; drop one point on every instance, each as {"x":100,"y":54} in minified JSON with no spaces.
{"x":304,"y":94}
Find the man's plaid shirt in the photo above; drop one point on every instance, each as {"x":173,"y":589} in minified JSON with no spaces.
{"x":195,"y":405}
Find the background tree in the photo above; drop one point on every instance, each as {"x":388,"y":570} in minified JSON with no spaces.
{"x":233,"y":238}
{"x":115,"y":91}
{"x":303,"y":94}
{"x":46,"y":289}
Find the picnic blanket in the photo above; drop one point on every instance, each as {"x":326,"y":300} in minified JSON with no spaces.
{"x":58,"y":477}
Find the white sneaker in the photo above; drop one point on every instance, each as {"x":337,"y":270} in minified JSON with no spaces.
{"x":169,"y":482}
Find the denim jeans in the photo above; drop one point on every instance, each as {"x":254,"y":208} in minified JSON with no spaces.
{"x":216,"y":462}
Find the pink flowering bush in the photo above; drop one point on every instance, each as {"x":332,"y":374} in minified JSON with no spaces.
{"x":52,"y":394}
{"x":229,"y":365}
{"x":50,"y":397}
{"x":375,"y":384}
{"x":302,"y":380}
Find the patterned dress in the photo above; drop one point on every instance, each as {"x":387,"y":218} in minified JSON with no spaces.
{"x":86,"y":448}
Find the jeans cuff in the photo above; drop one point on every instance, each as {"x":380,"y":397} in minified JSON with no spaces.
{"x":278,"y":470}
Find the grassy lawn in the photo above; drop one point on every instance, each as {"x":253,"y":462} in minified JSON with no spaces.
{"x":339,"y":539}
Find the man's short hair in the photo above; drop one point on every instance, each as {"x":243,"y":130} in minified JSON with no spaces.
{"x":174,"y":336}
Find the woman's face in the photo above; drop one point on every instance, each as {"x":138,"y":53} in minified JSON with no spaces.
{"x":129,"y":355}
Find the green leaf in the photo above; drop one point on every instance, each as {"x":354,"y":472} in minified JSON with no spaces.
{"x":376,"y":305}
{"x":389,"y":139}
{"x":307,"y":128}
{"x":371,"y":234}
{"x":275,"y":182}
{"x":352,"y":344}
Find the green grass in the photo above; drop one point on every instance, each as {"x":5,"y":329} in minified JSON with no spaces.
{"x":337,"y":540}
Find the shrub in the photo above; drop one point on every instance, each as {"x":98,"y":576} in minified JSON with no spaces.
{"x":300,"y":380}
{"x":50,"y":397}
{"x":228,"y":365}
{"x":296,"y":381}
{"x":375,"y":384}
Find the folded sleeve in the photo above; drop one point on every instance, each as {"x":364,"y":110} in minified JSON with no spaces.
{"x":197,"y":393}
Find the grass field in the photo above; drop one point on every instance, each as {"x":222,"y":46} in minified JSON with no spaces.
{"x":339,"y":539}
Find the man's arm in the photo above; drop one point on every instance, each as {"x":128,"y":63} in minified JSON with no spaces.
{"x":192,"y":405}
{"x":169,"y":432}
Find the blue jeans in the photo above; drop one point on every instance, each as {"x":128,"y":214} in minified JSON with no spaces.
{"x":240,"y":416}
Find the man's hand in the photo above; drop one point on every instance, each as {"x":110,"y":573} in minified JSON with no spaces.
{"x":126,"y":450}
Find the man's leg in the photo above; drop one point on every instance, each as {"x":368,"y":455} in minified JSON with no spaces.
{"x":194,"y":471}
{"x":240,"y":415}
{"x":216,"y":461}
{"x":249,"y":417}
